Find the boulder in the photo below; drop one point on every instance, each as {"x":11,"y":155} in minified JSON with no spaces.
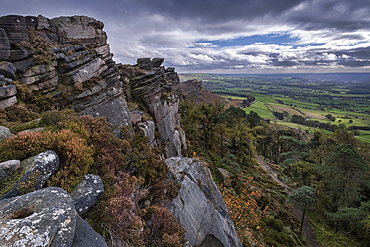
{"x":8,"y":102}
{"x":45,"y":217}
{"x":43,"y":166}
{"x":7,"y":69}
{"x":5,"y":133}
{"x":7,"y":91}
{"x":4,"y":45}
{"x":200,"y":206}
{"x":7,"y":168}
{"x":136,"y":116}
{"x":85,"y":236}
{"x":87,"y":192}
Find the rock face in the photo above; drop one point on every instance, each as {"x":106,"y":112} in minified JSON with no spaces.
{"x":45,"y":217}
{"x":43,"y":166}
{"x":87,"y":192}
{"x":85,"y":236}
{"x":200,"y":206}
{"x":159,"y":90}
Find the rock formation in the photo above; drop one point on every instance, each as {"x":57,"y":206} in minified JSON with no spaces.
{"x":68,"y":60}
{"x":200,"y":206}
{"x":47,"y":217}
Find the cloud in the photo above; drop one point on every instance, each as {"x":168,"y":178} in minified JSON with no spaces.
{"x":330,"y":35}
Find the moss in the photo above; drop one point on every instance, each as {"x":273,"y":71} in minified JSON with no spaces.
{"x":10,"y":181}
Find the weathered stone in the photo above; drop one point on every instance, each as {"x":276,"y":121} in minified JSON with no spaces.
{"x":223,"y":174}
{"x":147,"y":129}
{"x":7,"y":69}
{"x":32,"y":130}
{"x":37,"y":70}
{"x":4,"y":45}
{"x":103,"y":50}
{"x":42,"y":23}
{"x":15,"y":28}
{"x":200,"y":206}
{"x":8,"y":102}
{"x":87,"y":192}
{"x":8,"y":81}
{"x":45,"y":217}
{"x":46,"y":29}
{"x":43,"y":166}
{"x":73,"y":48}
{"x":7,"y":91}
{"x":84,"y":73}
{"x":136,"y":116}
{"x":85,"y":236}
{"x":80,"y":29}
{"x":5,"y":133}
{"x":38,"y":78}
{"x":7,"y":168}
{"x":157,"y":62}
{"x":75,"y":56}
{"x":144,"y":63}
{"x":59,"y":56}
{"x":113,"y":108}
{"x":23,"y":65}
{"x":16,"y":55}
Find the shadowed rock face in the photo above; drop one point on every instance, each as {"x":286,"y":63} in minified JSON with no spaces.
{"x":200,"y":206}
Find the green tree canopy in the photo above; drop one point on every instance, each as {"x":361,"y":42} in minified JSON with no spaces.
{"x":303,"y":197}
{"x":345,"y":174}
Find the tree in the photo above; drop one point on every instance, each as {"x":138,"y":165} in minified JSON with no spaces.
{"x":304,"y":198}
{"x":345,"y":172}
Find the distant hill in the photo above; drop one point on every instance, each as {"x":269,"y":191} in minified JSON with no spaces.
{"x":196,"y":92}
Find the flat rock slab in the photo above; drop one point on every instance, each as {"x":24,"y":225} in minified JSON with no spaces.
{"x":43,"y":166}
{"x":87,"y":192}
{"x":85,"y":236}
{"x":45,"y":217}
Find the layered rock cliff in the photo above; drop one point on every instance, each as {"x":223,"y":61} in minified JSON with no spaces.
{"x":66,"y":61}
{"x":68,"y":58}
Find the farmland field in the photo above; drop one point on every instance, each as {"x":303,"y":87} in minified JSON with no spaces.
{"x":315,"y":98}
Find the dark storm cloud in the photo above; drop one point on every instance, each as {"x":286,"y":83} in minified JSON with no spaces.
{"x":333,"y":34}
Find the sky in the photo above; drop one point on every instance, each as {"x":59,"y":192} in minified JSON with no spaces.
{"x":227,"y":36}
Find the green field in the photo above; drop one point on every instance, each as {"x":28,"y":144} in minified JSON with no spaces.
{"x":348,"y":103}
